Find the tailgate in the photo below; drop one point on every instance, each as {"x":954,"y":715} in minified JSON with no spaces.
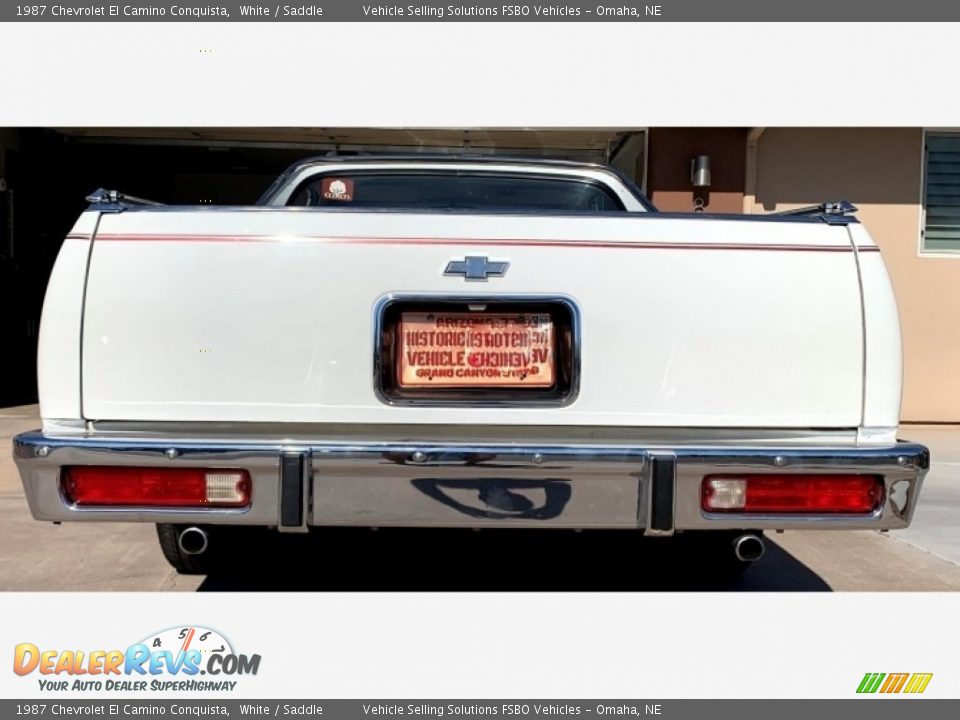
{"x":270,"y":315}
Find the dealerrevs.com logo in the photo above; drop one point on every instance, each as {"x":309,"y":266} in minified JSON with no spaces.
{"x":176,"y":659}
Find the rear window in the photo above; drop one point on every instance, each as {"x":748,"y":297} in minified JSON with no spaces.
{"x":456,"y":191}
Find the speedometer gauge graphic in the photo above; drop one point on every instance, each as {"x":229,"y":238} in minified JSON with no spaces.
{"x":182,"y":639}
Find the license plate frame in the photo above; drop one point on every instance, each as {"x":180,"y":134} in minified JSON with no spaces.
{"x":562,"y":390}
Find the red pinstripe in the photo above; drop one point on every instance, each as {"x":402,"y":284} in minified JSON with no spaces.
{"x":627,"y":245}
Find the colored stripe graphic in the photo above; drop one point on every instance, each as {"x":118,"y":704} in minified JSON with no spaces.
{"x":893,"y":683}
{"x":871,"y":682}
{"x":918,"y":682}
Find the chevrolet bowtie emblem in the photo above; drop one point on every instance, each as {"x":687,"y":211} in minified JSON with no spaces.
{"x":476,"y":268}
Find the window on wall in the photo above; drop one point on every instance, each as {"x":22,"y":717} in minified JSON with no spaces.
{"x":941,"y":193}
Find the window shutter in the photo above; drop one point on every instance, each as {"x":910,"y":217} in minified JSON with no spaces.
{"x":941,"y":229}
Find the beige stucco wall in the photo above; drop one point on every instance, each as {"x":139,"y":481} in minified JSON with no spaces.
{"x":879,"y":170}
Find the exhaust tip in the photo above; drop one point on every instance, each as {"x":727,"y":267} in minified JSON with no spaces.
{"x":193,"y":541}
{"x":749,"y":548}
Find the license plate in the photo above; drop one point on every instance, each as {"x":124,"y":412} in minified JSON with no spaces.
{"x":475,"y":350}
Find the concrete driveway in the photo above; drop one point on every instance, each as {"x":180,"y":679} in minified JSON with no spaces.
{"x":78,"y":556}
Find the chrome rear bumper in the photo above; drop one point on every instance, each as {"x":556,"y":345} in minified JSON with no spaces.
{"x":444,"y":484}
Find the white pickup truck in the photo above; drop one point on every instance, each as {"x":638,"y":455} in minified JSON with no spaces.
{"x":467,"y":342}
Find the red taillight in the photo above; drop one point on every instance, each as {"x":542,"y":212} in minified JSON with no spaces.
{"x":814,"y":494}
{"x":156,"y":487}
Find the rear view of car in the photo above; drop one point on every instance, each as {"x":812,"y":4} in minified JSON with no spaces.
{"x":468,"y":343}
